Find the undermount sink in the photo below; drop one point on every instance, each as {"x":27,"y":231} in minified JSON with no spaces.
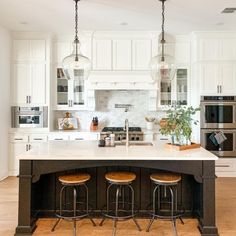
{"x":134,"y":143}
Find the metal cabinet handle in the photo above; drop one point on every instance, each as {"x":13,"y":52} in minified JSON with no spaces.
{"x":222,"y":165}
{"x":27,"y":148}
{"x":18,"y":139}
{"x":57,"y":139}
{"x":38,"y":139}
{"x":164,"y":139}
{"x":79,"y":139}
{"x":220,"y":88}
{"x":29,"y":99}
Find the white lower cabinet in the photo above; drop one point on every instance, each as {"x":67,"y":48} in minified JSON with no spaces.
{"x":20,"y":143}
{"x":225,"y":167}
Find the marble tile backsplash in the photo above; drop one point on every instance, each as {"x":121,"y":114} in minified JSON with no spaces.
{"x":108,"y":115}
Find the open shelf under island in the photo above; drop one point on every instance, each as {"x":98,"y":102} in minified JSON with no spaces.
{"x":39,"y":187}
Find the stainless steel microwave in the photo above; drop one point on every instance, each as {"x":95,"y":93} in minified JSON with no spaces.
{"x":218,"y":112}
{"x":226,"y":148}
{"x":29,"y":117}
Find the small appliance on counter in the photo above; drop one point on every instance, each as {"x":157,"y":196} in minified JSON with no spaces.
{"x":68,"y":122}
{"x":29,"y":117}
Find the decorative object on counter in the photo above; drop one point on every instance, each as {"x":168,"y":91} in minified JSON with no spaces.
{"x":163,"y":65}
{"x":76,"y":61}
{"x":67,"y":123}
{"x":178,"y":124}
{"x":150,"y":122}
{"x":183,"y":147}
{"x":94,"y":124}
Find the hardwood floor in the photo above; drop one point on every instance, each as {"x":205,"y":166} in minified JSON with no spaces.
{"x":225,"y":205}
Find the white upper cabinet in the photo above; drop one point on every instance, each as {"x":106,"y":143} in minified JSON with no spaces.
{"x":209,"y":49}
{"x":217,"y":78}
{"x":141,"y":54}
{"x":25,"y":50}
{"x":122,"y":54}
{"x":102,"y":54}
{"x":38,"y":84}
{"x":61,"y":50}
{"x":209,"y":75}
{"x":30,"y":78}
{"x":21,"y":84}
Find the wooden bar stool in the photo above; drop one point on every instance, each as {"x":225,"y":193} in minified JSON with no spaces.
{"x":166,"y":181}
{"x":73,"y":182}
{"x":122,"y":210}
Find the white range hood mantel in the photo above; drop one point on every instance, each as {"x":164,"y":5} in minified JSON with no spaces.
{"x":126,"y":80}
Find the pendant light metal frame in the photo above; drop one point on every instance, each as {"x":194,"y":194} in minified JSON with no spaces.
{"x":76,"y":61}
{"x":162,"y":65}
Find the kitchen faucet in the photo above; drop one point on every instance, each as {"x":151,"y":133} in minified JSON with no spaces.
{"x":127,"y":132}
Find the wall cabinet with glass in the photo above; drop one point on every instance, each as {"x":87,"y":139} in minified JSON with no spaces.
{"x":175,"y":91}
{"x":70,"y":93}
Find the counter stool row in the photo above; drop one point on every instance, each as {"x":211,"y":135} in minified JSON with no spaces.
{"x":121,"y":209}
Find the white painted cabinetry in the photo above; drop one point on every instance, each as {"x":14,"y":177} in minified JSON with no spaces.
{"x":20,"y":143}
{"x":217,"y":78}
{"x":30,"y":78}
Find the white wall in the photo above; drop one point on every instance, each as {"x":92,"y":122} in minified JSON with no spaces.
{"x":5,"y":53}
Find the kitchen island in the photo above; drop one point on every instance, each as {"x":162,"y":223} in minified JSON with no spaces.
{"x":40,"y":168}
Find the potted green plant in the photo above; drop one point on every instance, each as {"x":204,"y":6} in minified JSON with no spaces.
{"x":178,"y":123}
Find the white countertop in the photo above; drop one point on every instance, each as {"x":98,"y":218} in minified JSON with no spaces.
{"x":88,"y":150}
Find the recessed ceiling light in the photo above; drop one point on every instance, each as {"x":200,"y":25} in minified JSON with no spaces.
{"x":123,"y":23}
{"x":229,"y":10}
{"x":220,"y":23}
{"x":23,"y":22}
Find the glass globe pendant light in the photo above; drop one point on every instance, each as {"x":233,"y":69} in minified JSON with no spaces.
{"x":162,"y":66}
{"x":76,"y":66}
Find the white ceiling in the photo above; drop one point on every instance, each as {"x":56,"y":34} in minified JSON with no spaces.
{"x":57,"y":16}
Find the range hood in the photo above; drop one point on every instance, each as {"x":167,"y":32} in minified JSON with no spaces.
{"x":121,"y":80}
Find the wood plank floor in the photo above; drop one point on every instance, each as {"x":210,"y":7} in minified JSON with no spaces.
{"x":225,"y":205}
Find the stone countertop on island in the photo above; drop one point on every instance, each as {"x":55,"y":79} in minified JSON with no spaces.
{"x":89,"y":150}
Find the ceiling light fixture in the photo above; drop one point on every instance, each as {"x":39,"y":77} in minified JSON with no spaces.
{"x":162,"y":66}
{"x":76,"y":66}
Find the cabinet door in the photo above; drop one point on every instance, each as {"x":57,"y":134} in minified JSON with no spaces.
{"x":141,"y":54}
{"x":228,"y":49}
{"x":38,"y":84}
{"x":15,"y":150}
{"x":21,"y":50}
{"x":62,"y":50}
{"x":228,"y":79}
{"x":21,"y":83}
{"x":209,"y":49}
{"x":102,"y":54}
{"x":209,"y":75}
{"x":38,"y":50}
{"x":121,"y":54}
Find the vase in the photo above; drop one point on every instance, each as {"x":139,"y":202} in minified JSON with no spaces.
{"x":150,"y":125}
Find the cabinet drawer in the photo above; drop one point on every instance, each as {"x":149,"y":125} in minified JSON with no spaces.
{"x":84,"y":136}
{"x":58,"y":137}
{"x":19,"y":138}
{"x":33,"y":138}
{"x":225,"y":164}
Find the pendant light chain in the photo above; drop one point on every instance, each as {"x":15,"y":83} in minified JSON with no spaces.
{"x":163,"y":31}
{"x":76,"y":30}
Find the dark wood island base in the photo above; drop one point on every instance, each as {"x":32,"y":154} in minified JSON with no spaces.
{"x":39,"y":188}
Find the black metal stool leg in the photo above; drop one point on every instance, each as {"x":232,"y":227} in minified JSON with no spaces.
{"x":172,"y":211}
{"x":116,"y":211}
{"x":87,"y":205}
{"x":74,"y":209}
{"x":153,"y":207}
{"x":60,"y":210}
{"x":135,"y":221}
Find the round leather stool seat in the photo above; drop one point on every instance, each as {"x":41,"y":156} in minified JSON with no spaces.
{"x":120,"y":177}
{"x":165,"y":178}
{"x":74,"y":178}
